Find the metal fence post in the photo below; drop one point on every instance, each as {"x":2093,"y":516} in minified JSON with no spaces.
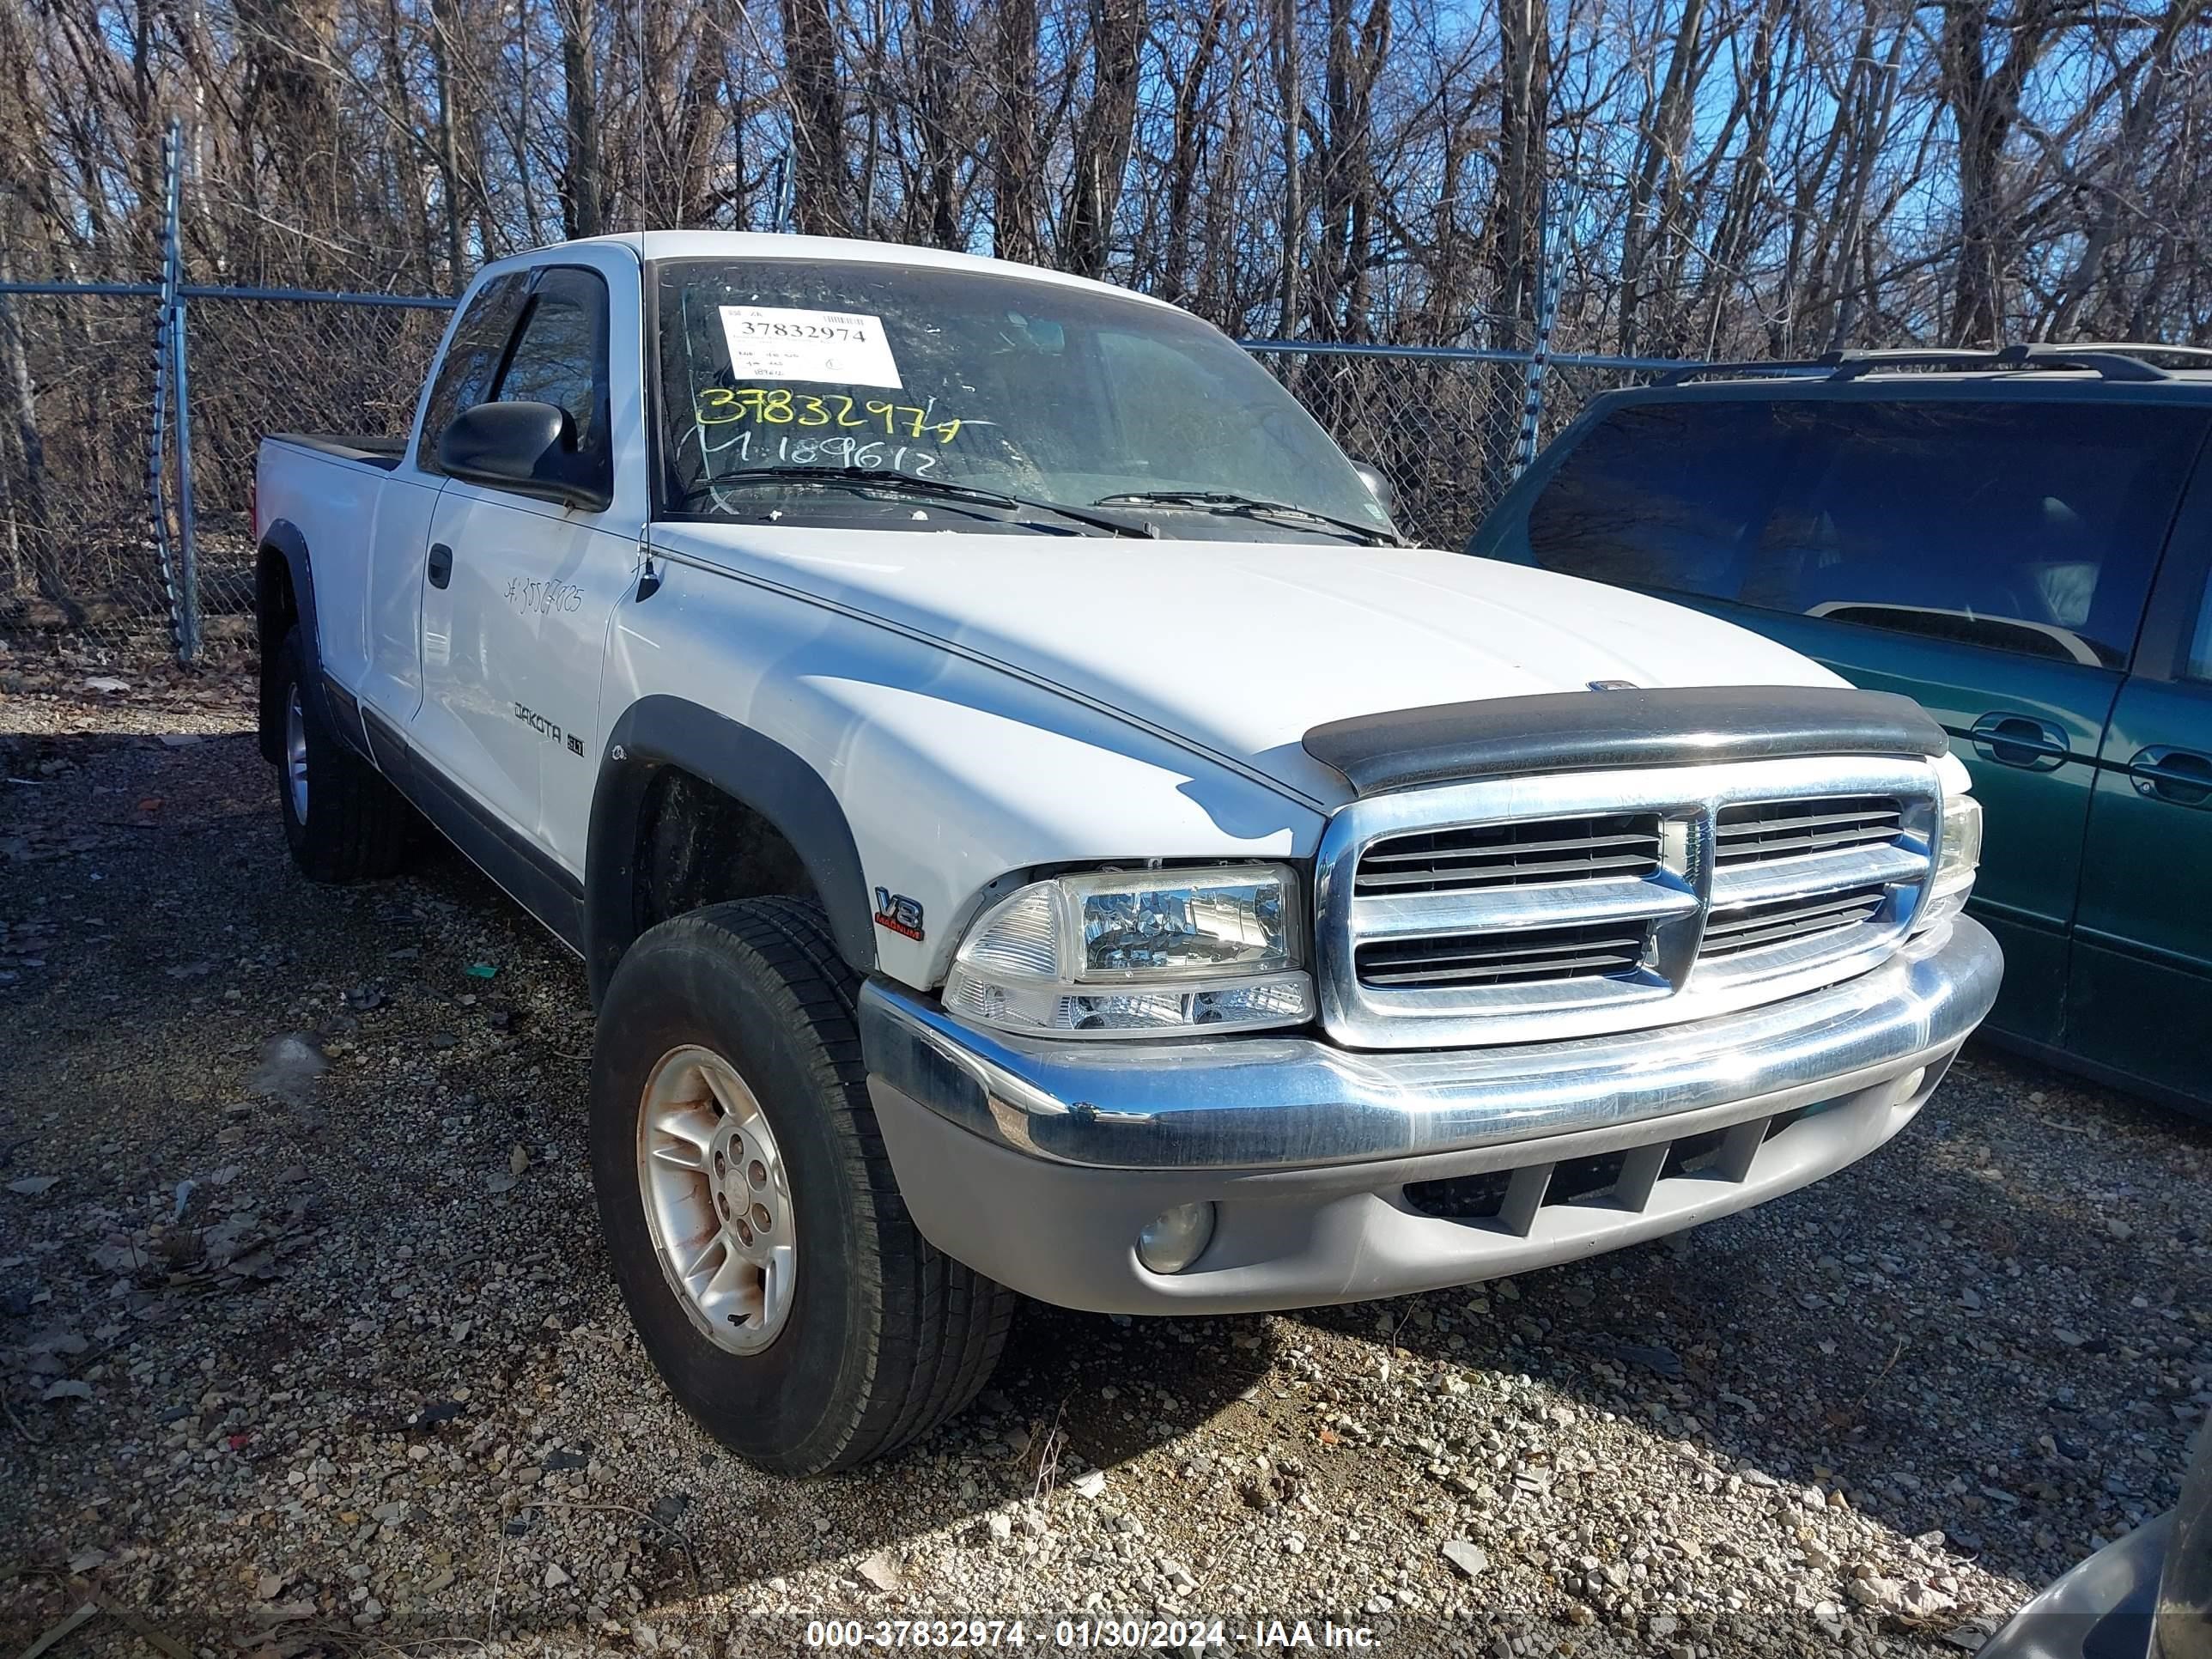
{"x":188,"y":603}
{"x":180,"y":574}
{"x":157,"y":448}
{"x":1551,"y":272}
{"x":782,"y":192}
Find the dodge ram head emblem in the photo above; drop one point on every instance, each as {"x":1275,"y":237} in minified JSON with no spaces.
{"x":898,"y":913}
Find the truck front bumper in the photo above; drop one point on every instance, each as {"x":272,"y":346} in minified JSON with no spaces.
{"x":1339,"y":1175}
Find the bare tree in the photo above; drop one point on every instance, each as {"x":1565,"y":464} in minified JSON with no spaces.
{"x":822,"y":193}
{"x":1981,"y":86}
{"x":1289,"y":94}
{"x":1100,"y":161}
{"x":582,"y":185}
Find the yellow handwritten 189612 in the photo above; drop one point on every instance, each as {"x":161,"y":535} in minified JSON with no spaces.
{"x":781,"y":406}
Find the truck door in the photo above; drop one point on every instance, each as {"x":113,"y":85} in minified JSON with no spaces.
{"x":520,"y":591}
{"x":2141,"y":1002}
{"x":393,"y":607}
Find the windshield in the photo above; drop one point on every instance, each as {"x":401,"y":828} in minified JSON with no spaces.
{"x":1039,"y":393}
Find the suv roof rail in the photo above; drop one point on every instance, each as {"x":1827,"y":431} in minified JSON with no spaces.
{"x":2188,"y":356}
{"x":2112,"y":360}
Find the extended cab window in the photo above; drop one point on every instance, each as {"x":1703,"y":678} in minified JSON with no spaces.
{"x":465,"y":374}
{"x":2031,"y":527}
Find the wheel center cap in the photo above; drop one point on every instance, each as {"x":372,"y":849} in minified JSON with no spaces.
{"x":737,"y":1175}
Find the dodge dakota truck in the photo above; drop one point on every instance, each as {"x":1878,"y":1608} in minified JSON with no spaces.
{"x":1031,"y":825}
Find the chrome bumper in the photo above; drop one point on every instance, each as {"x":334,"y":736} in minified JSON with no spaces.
{"x":1260,"y":1103}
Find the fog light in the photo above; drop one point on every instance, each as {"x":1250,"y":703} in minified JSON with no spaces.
{"x":1176,"y":1237}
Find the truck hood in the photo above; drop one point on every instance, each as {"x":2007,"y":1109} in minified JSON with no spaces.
{"x":1240,"y":648}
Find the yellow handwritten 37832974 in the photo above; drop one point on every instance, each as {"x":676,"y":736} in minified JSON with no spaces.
{"x":781,"y":406}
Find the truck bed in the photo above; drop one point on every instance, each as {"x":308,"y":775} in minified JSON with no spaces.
{"x":373,"y":448}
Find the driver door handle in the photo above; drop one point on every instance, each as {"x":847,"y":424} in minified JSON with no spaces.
{"x":2021,"y":740}
{"x":441,"y":564}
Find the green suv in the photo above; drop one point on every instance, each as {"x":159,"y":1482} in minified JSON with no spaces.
{"x":2020,"y":540}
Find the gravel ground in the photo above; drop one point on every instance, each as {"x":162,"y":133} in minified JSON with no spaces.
{"x":307,"y":1345}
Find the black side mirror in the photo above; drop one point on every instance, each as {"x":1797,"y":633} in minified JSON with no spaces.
{"x":1377,"y":485}
{"x":527,"y":448}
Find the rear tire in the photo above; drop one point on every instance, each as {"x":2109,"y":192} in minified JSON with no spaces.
{"x":868,"y":1337}
{"x":342,"y":820}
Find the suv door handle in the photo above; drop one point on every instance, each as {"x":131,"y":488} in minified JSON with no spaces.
{"x":2021,"y":740}
{"x":441,"y":564}
{"x":2180,"y":776}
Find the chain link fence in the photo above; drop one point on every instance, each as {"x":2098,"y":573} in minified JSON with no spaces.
{"x":76,"y":527}
{"x":117,"y":544}
{"x":336,"y":363}
{"x":126,"y":462}
{"x":124,"y":530}
{"x":1450,"y":428}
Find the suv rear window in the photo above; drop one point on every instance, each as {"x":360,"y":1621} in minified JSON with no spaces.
{"x":2031,"y":527}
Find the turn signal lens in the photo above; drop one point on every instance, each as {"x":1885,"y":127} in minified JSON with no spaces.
{"x":1957,"y":855}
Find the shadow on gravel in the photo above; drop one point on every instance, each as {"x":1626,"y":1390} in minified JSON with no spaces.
{"x":320,"y":1240}
{"x":1955,"y":1334}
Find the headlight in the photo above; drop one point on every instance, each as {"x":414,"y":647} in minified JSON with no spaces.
{"x":1958,"y":853}
{"x":1122,"y":952}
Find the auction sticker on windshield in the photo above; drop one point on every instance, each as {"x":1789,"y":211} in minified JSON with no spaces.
{"x":783,"y":343}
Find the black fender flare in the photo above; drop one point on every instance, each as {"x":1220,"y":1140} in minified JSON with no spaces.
{"x":658,"y":732}
{"x":282,"y":539}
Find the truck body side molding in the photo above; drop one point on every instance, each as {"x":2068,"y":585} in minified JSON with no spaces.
{"x":524,"y":873}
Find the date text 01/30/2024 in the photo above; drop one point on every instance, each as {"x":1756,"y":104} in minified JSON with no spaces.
{"x":1143,"y":1634}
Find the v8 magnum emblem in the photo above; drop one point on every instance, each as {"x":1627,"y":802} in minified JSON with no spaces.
{"x":895,"y":911}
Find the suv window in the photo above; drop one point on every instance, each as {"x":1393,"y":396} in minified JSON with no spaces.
{"x":1659,"y":496}
{"x":560,"y":355}
{"x":2028,"y":527}
{"x":464,"y":375}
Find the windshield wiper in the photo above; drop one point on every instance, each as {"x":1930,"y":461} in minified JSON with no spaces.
{"x":907,"y":484}
{"x":1249,"y":506}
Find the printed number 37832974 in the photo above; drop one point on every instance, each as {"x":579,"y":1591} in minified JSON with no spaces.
{"x":781,"y":406}
{"x":766,"y":329}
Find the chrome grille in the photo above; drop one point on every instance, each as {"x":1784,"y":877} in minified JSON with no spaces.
{"x":1525,"y":958}
{"x":1532,"y":909}
{"x":1781,"y":922}
{"x":1757,"y":830}
{"x":1512,"y":854}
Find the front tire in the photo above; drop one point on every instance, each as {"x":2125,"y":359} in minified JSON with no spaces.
{"x":755,"y":1229}
{"x":342,"y":821}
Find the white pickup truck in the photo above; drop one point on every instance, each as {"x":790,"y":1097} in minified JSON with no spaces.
{"x":1031,"y":824}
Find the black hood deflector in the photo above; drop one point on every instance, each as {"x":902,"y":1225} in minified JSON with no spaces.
{"x":1589,"y":730}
